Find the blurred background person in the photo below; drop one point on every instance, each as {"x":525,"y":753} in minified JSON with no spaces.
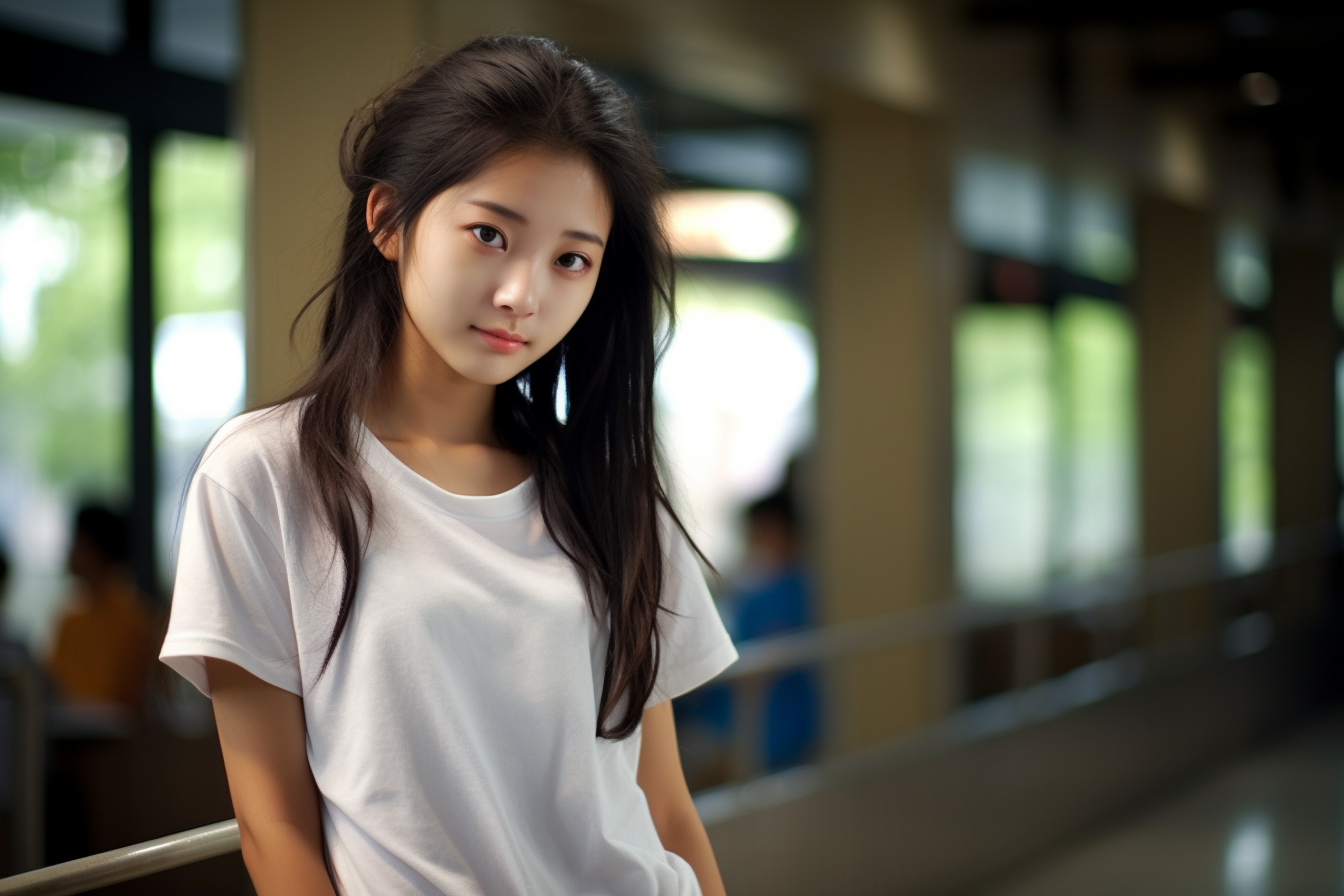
{"x":773,"y":596}
{"x":104,"y":641}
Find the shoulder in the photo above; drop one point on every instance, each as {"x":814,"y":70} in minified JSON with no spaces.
{"x":675,"y":541}
{"x":258,"y":449}
{"x":684,"y":573}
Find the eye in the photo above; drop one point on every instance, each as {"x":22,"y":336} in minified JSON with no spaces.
{"x":572,"y":261}
{"x":488,"y":235}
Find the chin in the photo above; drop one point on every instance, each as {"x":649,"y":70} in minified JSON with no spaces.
{"x":494,"y":374}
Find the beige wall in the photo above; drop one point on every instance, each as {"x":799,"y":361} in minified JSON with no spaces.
{"x":884,"y":305}
{"x":1181,"y":323}
{"x":309,"y":65}
{"x":1304,"y":339}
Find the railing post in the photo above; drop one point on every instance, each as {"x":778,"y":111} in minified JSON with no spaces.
{"x":22,"y":679}
{"x":749,"y":712}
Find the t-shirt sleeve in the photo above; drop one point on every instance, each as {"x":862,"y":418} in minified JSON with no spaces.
{"x":693,"y":644}
{"x":231,"y":596}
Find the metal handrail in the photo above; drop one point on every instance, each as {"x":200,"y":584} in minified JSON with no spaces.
{"x":1113,"y":601}
{"x":127,"y":863}
{"x":24,"y":682}
{"x":1131,"y":582}
{"x":1156,"y":575}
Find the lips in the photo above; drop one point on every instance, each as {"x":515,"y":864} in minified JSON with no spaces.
{"x":500,"y":340}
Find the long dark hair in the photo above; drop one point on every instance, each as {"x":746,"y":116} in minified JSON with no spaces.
{"x":596,"y":473}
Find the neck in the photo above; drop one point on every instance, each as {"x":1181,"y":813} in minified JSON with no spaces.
{"x":420,"y":397}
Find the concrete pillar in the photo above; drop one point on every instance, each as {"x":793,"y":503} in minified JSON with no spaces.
{"x":1304,"y":338}
{"x":884,"y":308}
{"x":1181,"y":321}
{"x":308,"y":65}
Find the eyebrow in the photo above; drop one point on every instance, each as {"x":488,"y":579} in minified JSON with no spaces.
{"x":506,"y":212}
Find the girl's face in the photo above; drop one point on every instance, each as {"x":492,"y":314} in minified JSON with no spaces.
{"x":500,"y":266}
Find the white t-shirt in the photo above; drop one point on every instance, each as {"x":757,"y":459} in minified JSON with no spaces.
{"x":453,"y":735}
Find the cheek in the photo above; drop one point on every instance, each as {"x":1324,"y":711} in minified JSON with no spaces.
{"x":439,"y":295}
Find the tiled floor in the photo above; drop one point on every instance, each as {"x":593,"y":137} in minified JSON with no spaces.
{"x":1272,"y":825}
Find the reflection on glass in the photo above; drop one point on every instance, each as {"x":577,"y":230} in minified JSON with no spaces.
{"x":1096,"y":232}
{"x":91,"y":24}
{"x":1096,"y":474}
{"x":198,"y":341}
{"x":1338,"y":293}
{"x":199,"y":37}
{"x":1249,"y":857}
{"x":63,"y":363}
{"x":1002,"y":205}
{"x":1243,"y":265}
{"x":1004,"y":421}
{"x":735,"y":399}
{"x":755,"y":158}
{"x":1247,"y":472}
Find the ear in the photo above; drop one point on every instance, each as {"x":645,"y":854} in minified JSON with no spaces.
{"x":388,"y":243}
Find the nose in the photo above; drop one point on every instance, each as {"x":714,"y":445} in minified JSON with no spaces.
{"x":515,"y":293}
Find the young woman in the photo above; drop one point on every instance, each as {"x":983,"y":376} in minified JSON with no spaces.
{"x":440,"y":621}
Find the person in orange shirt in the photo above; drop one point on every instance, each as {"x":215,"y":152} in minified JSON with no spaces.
{"x":103,"y":646}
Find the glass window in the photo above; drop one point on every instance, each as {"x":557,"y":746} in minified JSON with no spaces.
{"x":1004,"y":424}
{"x":735,"y":394}
{"x":754,"y":158}
{"x":1243,"y":265}
{"x":1002,"y":205}
{"x":90,"y":24}
{"x":1006,"y":206}
{"x":1247,"y":471}
{"x":64,"y":260}
{"x":1046,"y":434}
{"x":199,"y":37}
{"x":1096,"y":480}
{"x":198,"y":287}
{"x":1096,"y":232}
{"x":1338,"y":293}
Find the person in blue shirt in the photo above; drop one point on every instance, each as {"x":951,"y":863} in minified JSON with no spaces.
{"x":774,"y":596}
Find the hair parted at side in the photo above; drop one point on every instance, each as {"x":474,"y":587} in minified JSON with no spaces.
{"x":596,"y":473}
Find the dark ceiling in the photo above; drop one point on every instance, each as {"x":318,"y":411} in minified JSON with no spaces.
{"x":1188,"y":47}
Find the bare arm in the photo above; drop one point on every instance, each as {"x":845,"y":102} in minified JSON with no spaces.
{"x":262,"y":735}
{"x":664,"y":785}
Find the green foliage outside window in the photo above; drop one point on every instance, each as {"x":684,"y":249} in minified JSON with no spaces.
{"x":1247,"y":471}
{"x":1004,"y":428}
{"x":198,"y":217}
{"x":63,"y":309}
{"x":197,"y":194}
{"x":64,"y":371}
{"x":1096,"y":477}
{"x":1046,"y":436}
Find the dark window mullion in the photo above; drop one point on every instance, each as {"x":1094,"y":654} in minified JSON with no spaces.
{"x":144,"y":481}
{"x":143,"y":472}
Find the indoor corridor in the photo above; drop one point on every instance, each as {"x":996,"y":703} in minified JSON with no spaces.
{"x":1004,"y":395}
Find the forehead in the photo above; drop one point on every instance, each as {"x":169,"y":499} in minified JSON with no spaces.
{"x":551,"y":187}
